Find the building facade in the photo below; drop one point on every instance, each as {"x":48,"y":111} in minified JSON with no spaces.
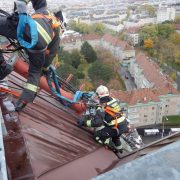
{"x":148,"y":106}
{"x":165,"y":13}
{"x":120,"y":49}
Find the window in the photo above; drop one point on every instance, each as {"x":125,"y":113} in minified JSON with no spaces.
{"x":153,"y":108}
{"x":145,"y":120}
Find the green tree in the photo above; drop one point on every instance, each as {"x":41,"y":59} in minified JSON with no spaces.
{"x":98,"y":28}
{"x":148,"y":32}
{"x":99,"y":71}
{"x":165,"y":30}
{"x":65,"y":69}
{"x":88,"y":52}
{"x":175,"y":38}
{"x":151,"y":10}
{"x":76,"y":58}
{"x":81,"y":27}
{"x":177,"y":19}
{"x":64,"y":56}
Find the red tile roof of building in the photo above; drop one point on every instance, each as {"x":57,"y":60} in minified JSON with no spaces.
{"x":71,"y":38}
{"x":144,"y":95}
{"x":89,"y":37}
{"x":116,"y":42}
{"x":133,"y":30}
{"x":152,"y":71}
{"x":177,"y":26}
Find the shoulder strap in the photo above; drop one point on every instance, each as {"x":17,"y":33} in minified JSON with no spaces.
{"x":113,"y":108}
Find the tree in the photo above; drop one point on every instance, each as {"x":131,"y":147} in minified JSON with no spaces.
{"x":76,"y":58}
{"x":177,"y":19}
{"x":175,"y":38}
{"x":98,"y":28}
{"x":148,"y":32}
{"x":65,"y":56}
{"x":88,"y":52}
{"x":148,"y":43}
{"x":100,"y":72}
{"x":65,"y":69}
{"x":164,"y":30}
{"x":151,"y":10}
{"x":106,"y":57}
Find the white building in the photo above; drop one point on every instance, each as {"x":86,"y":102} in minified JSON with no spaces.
{"x":132,"y":35}
{"x":165,"y":13}
{"x":147,"y":74}
{"x":148,"y":106}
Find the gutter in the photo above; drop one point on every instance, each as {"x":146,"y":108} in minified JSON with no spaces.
{"x":15,"y":160}
{"x":3,"y":170}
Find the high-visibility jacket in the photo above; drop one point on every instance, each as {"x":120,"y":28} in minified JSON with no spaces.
{"x":109,"y":115}
{"x":113,"y":115}
{"x":47,"y":25}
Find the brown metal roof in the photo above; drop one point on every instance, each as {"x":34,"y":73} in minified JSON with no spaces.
{"x":57,"y":148}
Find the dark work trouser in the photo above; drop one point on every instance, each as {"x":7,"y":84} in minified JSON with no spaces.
{"x":111,"y":132}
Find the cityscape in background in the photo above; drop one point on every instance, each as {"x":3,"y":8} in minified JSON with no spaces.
{"x":116,"y":15}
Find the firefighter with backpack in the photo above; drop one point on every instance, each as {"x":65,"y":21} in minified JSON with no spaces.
{"x":108,"y":122}
{"x":38,"y":35}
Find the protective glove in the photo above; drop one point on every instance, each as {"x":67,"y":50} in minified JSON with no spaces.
{"x":20,"y":105}
{"x":80,"y":122}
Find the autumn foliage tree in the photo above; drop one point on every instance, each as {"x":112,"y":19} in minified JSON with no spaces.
{"x":148,"y":43}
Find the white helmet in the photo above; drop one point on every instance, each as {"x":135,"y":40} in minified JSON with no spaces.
{"x":102,"y":91}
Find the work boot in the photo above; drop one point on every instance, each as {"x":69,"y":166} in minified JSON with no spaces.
{"x":20,"y":105}
{"x":118,"y":149}
{"x":110,"y":144}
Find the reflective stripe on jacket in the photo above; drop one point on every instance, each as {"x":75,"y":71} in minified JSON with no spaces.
{"x":47,"y":25}
{"x":115,"y":122}
{"x":113,"y":109}
{"x":31,"y":87}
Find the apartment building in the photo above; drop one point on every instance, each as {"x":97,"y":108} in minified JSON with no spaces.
{"x":147,"y":106}
{"x":132,"y":35}
{"x":75,"y":42}
{"x":165,"y":13}
{"x":120,"y":49}
{"x":71,"y":42}
{"x":147,"y":74}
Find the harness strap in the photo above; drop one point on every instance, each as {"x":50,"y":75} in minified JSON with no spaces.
{"x":116,"y":121}
{"x":9,"y":91}
{"x":55,"y":22}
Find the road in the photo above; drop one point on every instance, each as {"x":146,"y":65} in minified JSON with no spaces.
{"x":128,"y":80}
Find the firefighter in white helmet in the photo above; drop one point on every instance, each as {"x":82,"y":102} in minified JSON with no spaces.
{"x":108,"y":121}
